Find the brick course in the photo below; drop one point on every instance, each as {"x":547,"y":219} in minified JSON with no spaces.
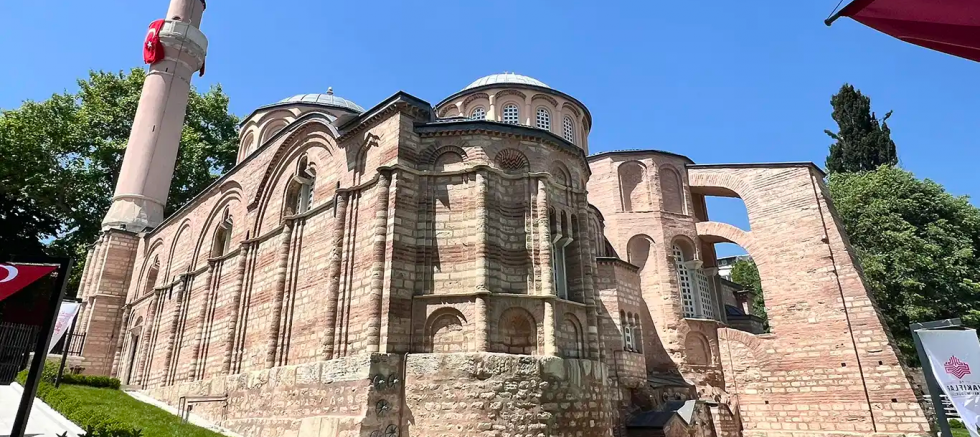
{"x":426,"y":260}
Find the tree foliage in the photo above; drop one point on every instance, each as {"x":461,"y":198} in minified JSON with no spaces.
{"x":862,"y":142}
{"x":919,"y":247}
{"x":746,"y":274}
{"x":59,"y":160}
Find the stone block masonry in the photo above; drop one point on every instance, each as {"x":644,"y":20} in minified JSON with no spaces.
{"x":387,"y":272}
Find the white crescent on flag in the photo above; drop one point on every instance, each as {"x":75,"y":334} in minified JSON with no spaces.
{"x":11,"y":273}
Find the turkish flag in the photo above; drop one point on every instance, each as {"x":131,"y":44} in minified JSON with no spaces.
{"x":152,"y":48}
{"x":14,"y":277}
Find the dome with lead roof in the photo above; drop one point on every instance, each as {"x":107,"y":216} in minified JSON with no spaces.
{"x":506,"y":78}
{"x":328,"y":99}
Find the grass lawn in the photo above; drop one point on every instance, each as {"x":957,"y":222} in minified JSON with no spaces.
{"x":960,"y":432}
{"x":78,"y":403}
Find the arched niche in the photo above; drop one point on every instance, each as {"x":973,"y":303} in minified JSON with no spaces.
{"x":638,"y":251}
{"x":517,"y":333}
{"x":445,"y":332}
{"x":672,"y":190}
{"x":697,"y":349}
{"x":570,"y":334}
{"x":634,"y":187}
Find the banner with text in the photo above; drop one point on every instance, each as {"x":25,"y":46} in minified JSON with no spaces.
{"x":955,"y":360}
{"x":61,"y":325}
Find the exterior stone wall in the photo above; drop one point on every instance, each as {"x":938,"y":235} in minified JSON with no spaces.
{"x":450,"y":277}
{"x":499,"y":394}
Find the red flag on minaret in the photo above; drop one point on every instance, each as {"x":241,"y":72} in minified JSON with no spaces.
{"x":15,"y":277}
{"x":152,"y":49}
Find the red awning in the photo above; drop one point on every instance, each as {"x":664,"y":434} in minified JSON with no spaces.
{"x":949,"y":26}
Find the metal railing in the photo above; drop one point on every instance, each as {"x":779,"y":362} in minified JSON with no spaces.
{"x":16,"y":340}
{"x":74,"y":346}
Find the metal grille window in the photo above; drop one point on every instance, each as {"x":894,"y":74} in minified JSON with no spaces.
{"x":704,"y":293}
{"x":479,"y":113}
{"x":568,"y":129}
{"x":511,"y":114}
{"x":543,"y":119}
{"x":684,"y":281}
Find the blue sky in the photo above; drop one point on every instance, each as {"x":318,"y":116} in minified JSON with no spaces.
{"x":718,"y":81}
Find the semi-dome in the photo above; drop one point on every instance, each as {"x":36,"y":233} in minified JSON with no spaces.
{"x":506,"y":78}
{"x":327,"y":99}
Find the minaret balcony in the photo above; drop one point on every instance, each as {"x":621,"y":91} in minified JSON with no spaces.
{"x":182,"y":36}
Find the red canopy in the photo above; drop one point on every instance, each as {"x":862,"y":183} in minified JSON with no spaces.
{"x":949,"y":26}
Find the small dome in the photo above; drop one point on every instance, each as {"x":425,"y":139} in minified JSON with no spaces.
{"x":506,"y":78}
{"x":327,"y":99}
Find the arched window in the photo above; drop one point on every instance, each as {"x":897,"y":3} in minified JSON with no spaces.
{"x":684,"y":281}
{"x":561,"y":237}
{"x":478,"y":113}
{"x":299,"y":195}
{"x":543,"y":120}
{"x":637,"y":334}
{"x":511,"y":114}
{"x":222,"y":236}
{"x":568,"y":129}
{"x":696,"y":294}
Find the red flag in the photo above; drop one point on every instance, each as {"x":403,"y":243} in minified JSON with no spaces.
{"x":14,"y":277}
{"x":948,"y":26}
{"x":152,"y":48}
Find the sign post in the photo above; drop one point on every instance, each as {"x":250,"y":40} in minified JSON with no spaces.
{"x":47,"y":326}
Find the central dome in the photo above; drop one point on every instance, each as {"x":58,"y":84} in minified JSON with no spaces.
{"x":506,"y":78}
{"x":327,"y":99}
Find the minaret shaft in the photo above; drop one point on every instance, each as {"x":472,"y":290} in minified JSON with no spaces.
{"x":151,"y":152}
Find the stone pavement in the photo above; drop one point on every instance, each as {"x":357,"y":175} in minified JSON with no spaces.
{"x":44,"y":421}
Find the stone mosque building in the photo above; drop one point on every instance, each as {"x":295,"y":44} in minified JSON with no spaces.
{"x":469,"y":269}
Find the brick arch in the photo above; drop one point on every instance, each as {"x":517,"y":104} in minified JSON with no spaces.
{"x":432,"y":154}
{"x":445,"y":331}
{"x":288,"y":152}
{"x":230,"y":200}
{"x":517,"y":332}
{"x":469,"y":99}
{"x":753,"y":343}
{"x":718,"y":232}
{"x":149,"y":273}
{"x":560,"y":172}
{"x":687,"y":246}
{"x":547,"y":98}
{"x":505,"y":93}
{"x":307,"y":125}
{"x":446,"y":109}
{"x":724,"y":184}
{"x":183,"y":231}
{"x":511,"y":160}
{"x":571,"y":108}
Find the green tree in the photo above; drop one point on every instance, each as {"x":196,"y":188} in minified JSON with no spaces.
{"x":59,"y":160}
{"x":862,"y":142}
{"x":746,"y":274}
{"x":919,"y":247}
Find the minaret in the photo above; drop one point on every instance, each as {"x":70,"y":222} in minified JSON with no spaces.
{"x":144,"y":182}
{"x":151,"y":153}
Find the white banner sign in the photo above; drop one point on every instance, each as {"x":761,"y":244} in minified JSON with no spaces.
{"x":65,"y":316}
{"x":955,"y":360}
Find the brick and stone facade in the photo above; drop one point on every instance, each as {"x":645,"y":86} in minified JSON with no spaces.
{"x":467,"y":269}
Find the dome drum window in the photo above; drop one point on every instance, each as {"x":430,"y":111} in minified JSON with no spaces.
{"x":511,"y":114}
{"x":568,"y":129}
{"x":543,"y":119}
{"x":478,"y":113}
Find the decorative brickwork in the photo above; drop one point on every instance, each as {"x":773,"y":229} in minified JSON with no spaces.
{"x":364,"y":274}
